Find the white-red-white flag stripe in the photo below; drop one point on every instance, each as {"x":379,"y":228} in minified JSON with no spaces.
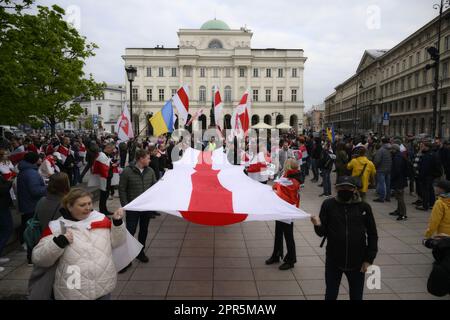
{"x":218,"y":107}
{"x":100,"y":172}
{"x":181,"y":102}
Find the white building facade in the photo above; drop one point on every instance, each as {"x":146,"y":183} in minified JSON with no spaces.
{"x":217,"y":55}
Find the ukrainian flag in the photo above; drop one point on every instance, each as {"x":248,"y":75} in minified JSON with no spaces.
{"x":162,"y":121}
{"x":331,"y":134}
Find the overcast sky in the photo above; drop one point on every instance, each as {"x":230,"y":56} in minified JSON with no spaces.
{"x":332,"y":33}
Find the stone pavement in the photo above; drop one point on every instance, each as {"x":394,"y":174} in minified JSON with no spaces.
{"x":189,"y":261}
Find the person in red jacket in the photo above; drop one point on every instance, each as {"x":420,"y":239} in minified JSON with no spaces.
{"x":287,"y":188}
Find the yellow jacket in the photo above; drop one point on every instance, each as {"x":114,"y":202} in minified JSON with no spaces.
{"x":357,"y":165}
{"x":440,"y":217}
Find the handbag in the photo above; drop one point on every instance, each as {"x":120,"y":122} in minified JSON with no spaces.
{"x":358,"y":179}
{"x":32,"y":233}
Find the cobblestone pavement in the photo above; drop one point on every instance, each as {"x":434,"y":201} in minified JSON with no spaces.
{"x":189,"y":261}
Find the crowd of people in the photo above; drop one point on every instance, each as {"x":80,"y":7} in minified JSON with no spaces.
{"x":40,"y":174}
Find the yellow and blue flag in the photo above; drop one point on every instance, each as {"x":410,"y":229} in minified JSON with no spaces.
{"x":163,"y":121}
{"x":330,"y":134}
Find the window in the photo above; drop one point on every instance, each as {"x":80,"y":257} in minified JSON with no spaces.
{"x":410,"y":61}
{"x":445,"y":70}
{"x":188,"y":71}
{"x":255,"y":73}
{"x":215,"y":44}
{"x":268,"y":73}
{"x":227,"y":94}
{"x":228,"y":72}
{"x":294,"y":72}
{"x":404,"y":65}
{"x":86,"y":112}
{"x":174,"y":72}
{"x":424,"y":102}
{"x":99,"y":110}
{"x":418,"y":57}
{"x":447,"y":43}
{"x":425,"y":74}
{"x":408,"y":83}
{"x":174,"y":92}
{"x":241,"y":72}
{"x":216,"y":72}
{"x":417,"y":79}
{"x":444,"y":99}
{"x":402,"y":85}
{"x":416,"y":103}
{"x":280,"y":73}
{"x":268,"y":94}
{"x":392,"y":71}
{"x":397,"y":67}
{"x":202,"y":72}
{"x":408,"y":105}
{"x":161,"y":72}
{"x":255,"y":95}
{"x":202,"y":94}
{"x":135,"y":94}
{"x":280,"y":95}
{"x":294,"y":95}
{"x":149,"y":94}
{"x":161,"y":94}
{"x":149,"y":71}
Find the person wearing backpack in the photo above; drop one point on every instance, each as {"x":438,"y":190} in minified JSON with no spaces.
{"x":399,"y":181}
{"x":348,"y":224}
{"x":362,"y":170}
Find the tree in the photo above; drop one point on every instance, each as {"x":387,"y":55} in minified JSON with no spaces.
{"x":46,"y":73}
{"x":88,"y":124}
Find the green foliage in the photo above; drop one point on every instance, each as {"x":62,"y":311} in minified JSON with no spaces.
{"x":41,"y":65}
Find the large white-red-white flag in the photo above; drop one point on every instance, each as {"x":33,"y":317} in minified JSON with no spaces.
{"x":124,"y":128}
{"x":240,"y":120}
{"x":181,"y":102}
{"x":100,"y":172}
{"x":205,"y":188}
{"x":218,"y":107}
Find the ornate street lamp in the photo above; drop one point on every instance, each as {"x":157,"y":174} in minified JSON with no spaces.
{"x":131,"y":74}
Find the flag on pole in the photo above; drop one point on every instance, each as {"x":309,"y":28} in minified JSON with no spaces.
{"x":124,"y":128}
{"x":240,"y":121}
{"x":100,"y":172}
{"x":163,"y":121}
{"x":181,"y":102}
{"x":329,"y":135}
{"x":196,"y":115}
{"x":218,"y":107}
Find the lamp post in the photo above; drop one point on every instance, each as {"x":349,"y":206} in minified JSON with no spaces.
{"x":359,"y":85}
{"x":131,"y":74}
{"x":435,"y":56}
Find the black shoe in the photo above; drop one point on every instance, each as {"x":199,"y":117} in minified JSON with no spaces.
{"x":378,"y":200}
{"x":421,"y":209}
{"x":320,"y":185}
{"x":273,"y":260}
{"x":142,"y":257}
{"x":400,"y":218}
{"x":286,"y":266}
{"x":417,"y":202}
{"x":125,"y":269}
{"x":394,"y":213}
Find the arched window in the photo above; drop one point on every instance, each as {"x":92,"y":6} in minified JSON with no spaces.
{"x":215,"y":44}
{"x":227,"y":94}
{"x":227,"y":121}
{"x":293,"y":122}
{"x":202,"y":119}
{"x":255,"y":119}
{"x":268,"y":119}
{"x":202,"y":94}
{"x":279,"y":119}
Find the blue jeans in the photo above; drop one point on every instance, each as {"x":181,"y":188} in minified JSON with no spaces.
{"x":6,"y":227}
{"x":326,"y":182}
{"x":384,"y":185}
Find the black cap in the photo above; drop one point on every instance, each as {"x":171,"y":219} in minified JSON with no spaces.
{"x":444,"y":185}
{"x":346,"y":181}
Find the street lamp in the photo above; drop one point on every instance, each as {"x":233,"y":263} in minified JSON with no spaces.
{"x":131,"y":74}
{"x":359,"y":86}
{"x":435,"y":56}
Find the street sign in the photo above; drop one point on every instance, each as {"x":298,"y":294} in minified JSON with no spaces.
{"x":386,"y":119}
{"x":95,"y":119}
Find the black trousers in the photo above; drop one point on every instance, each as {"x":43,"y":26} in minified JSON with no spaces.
{"x":333,"y":277}
{"x":428,"y":196}
{"x":286,"y":229}
{"x":23,"y":225}
{"x":134,"y":218}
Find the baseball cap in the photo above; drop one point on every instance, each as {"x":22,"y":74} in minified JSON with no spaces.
{"x":346,"y":181}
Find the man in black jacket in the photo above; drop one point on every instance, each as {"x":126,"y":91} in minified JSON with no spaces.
{"x":399,"y":181}
{"x":352,"y":239}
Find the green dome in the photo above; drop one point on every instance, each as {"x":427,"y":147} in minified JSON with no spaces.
{"x":215,"y":25}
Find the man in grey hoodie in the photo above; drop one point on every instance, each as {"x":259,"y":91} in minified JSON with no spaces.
{"x":383,"y":164}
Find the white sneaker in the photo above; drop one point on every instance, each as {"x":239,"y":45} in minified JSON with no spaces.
{"x":4,"y":260}
{"x":2,"y":269}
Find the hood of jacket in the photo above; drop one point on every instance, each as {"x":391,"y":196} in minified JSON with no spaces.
{"x":356,"y":199}
{"x":24,"y":165}
{"x":294,"y":174}
{"x":445,"y":198}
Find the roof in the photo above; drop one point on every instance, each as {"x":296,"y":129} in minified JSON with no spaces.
{"x":376,"y":53}
{"x":215,"y":25}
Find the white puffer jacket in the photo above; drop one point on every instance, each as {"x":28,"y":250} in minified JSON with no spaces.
{"x":90,"y":253}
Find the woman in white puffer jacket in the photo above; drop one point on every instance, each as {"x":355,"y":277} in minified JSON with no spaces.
{"x":82,"y":240}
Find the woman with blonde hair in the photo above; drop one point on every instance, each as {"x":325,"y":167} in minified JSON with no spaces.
{"x":81,"y":239}
{"x":287,"y":188}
